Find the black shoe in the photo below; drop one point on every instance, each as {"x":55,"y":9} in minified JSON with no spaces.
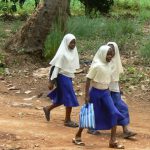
{"x":129,"y":134}
{"x":93,"y":132}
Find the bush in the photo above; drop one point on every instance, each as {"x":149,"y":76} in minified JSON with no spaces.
{"x":103,"y":6}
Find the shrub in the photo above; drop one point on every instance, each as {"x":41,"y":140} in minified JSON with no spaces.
{"x":103,"y":6}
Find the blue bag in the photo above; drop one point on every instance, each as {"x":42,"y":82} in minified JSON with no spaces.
{"x":87,"y":117}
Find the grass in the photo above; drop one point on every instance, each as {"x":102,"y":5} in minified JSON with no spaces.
{"x":95,"y":32}
{"x":145,"y":51}
{"x":123,"y":26}
{"x":133,"y":4}
{"x":52,"y":42}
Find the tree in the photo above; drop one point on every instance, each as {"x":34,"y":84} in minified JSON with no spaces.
{"x":32,"y":35}
{"x":68,"y":8}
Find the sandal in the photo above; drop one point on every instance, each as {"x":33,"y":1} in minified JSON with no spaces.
{"x":71,"y":124}
{"x":116,"y":145}
{"x":47,"y":113}
{"x":129,"y":134}
{"x":93,"y":132}
{"x":78,"y":141}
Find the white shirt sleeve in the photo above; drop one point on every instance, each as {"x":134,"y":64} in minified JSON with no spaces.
{"x":91,"y":73}
{"x":55,"y":73}
{"x":114,"y":87}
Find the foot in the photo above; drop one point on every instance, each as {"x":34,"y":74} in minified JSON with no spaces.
{"x":78,"y":141}
{"x":93,"y":132}
{"x":129,"y":134}
{"x":71,"y":124}
{"x":47,"y":113}
{"x":116,"y":145}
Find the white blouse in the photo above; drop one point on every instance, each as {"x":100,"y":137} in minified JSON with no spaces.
{"x":57,"y":71}
{"x":114,"y":86}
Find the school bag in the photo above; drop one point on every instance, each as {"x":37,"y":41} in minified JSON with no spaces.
{"x":50,"y":74}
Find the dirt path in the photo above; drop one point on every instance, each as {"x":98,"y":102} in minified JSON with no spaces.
{"x":23,"y":126}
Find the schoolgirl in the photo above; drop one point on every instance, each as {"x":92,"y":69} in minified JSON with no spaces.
{"x":63,"y":67}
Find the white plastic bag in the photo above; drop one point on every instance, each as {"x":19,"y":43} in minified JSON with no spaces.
{"x":87,"y":117}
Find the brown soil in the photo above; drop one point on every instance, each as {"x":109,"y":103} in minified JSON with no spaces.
{"x":23,"y":126}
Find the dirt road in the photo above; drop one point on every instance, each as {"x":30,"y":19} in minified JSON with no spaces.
{"x":23,"y":126}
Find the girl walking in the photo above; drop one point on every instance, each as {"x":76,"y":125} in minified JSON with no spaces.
{"x":117,"y":69}
{"x":106,"y":114}
{"x":63,"y":67}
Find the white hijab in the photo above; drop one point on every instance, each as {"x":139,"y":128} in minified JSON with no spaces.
{"x":65,"y":58}
{"x":116,"y":64}
{"x":100,"y":70}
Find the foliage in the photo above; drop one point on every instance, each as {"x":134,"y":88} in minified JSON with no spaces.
{"x":12,"y":6}
{"x":145,"y":51}
{"x":102,"y":6}
{"x":133,"y":76}
{"x":132,"y":4}
{"x":97,"y":31}
{"x":123,"y":26}
{"x":77,"y":8}
{"x":52,"y":42}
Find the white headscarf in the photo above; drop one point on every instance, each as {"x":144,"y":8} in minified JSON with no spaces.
{"x":100,"y":70}
{"x":116,"y":64}
{"x":65,"y":58}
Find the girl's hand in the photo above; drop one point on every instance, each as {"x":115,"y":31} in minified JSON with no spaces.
{"x":87,"y":99}
{"x":50,"y":86}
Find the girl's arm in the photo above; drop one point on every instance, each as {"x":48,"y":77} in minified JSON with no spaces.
{"x":87,"y":86}
{"x":52,"y":76}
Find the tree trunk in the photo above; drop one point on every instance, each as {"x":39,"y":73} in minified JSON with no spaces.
{"x":68,"y":8}
{"x":33,"y":34}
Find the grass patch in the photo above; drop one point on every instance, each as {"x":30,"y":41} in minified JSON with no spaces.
{"x":145,"y":51}
{"x":132,"y":76}
{"x":132,"y":4}
{"x":52,"y":42}
{"x":95,"y":32}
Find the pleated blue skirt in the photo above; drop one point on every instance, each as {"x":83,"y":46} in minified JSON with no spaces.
{"x":122,"y":107}
{"x":106,"y":114}
{"x":64,"y":92}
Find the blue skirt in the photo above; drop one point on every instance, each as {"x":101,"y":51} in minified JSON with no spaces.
{"x":64,"y":92}
{"x":122,"y":107}
{"x":106,"y":114}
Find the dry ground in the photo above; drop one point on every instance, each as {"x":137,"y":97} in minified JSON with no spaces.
{"x":23,"y":126}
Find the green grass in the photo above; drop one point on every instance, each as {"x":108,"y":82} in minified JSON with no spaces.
{"x":95,"y":32}
{"x":52,"y":42}
{"x":145,"y":50}
{"x":7,"y":28}
{"x":123,"y":26}
{"x":133,"y":4}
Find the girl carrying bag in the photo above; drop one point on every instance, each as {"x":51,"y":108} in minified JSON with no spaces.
{"x":86,"y":116}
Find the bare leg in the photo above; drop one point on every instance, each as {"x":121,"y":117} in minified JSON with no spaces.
{"x":113,"y":134}
{"x":68,"y":122}
{"x":77,"y":140}
{"x":68,"y":114}
{"x":47,"y":110}
{"x":78,"y":134}
{"x":113,"y":143}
